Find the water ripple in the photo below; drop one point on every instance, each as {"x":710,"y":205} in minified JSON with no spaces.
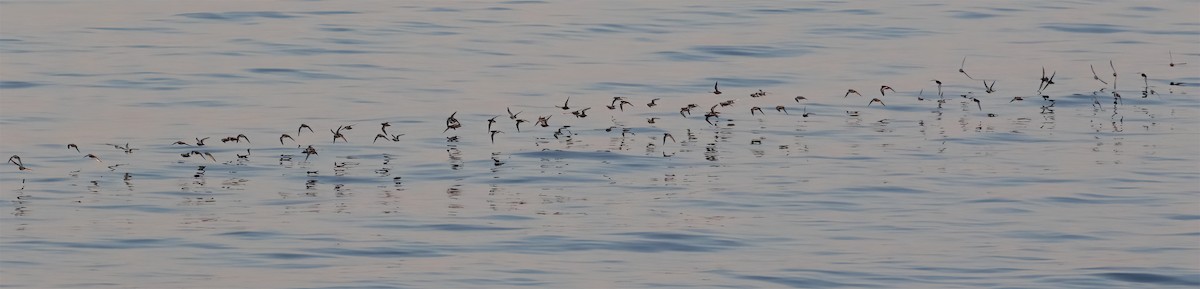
{"x":236,"y":15}
{"x":296,"y":73}
{"x":649,"y":243}
{"x":17,"y":84}
{"x":1098,"y":28}
{"x":1148,"y":278}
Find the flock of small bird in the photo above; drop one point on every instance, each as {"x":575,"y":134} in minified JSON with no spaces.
{"x":713,"y":116}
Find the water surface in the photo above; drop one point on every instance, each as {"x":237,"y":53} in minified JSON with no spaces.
{"x":914,"y":194}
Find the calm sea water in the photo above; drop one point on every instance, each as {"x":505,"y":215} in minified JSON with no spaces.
{"x":1085,"y":191}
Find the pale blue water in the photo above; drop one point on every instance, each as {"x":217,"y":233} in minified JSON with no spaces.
{"x":999,"y":194}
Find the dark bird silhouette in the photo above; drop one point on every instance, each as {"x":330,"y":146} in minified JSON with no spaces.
{"x":384,"y":126}
{"x":799,"y":98}
{"x":652,"y":104}
{"x":666,"y":136}
{"x":715,"y":89}
{"x":519,"y":121}
{"x":1171,"y":56}
{"x":16,"y":160}
{"x":1114,"y":69}
{"x":939,"y":84}
{"x":543,"y":121}
{"x":200,"y":141}
{"x":73,"y":146}
{"x":564,"y":106}
{"x":582,"y":113}
{"x":781,"y":108}
{"x":874,"y":100}
{"x":283,"y":136}
{"x":989,"y":88}
{"x":849,"y":91}
{"x":491,"y":121}
{"x":494,"y":132}
{"x":1046,"y":81}
{"x":1097,"y":76}
{"x":712,"y":112}
{"x":337,"y":134}
{"x":303,"y":126}
{"x":452,"y":123}
{"x":623,"y":103}
{"x":753,"y":109}
{"x":379,"y":136}
{"x":512,"y":115}
{"x":885,"y":87}
{"x":309,"y":152}
{"x":964,"y":65}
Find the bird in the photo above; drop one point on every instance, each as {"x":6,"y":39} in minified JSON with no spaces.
{"x":237,"y":138}
{"x":379,"y":136}
{"x":781,"y":108}
{"x":94,"y":157}
{"x":666,"y":136}
{"x":799,"y":98}
{"x":338,"y":134}
{"x":848,"y":92}
{"x":874,"y":100}
{"x":543,"y":121}
{"x":303,"y":126}
{"x":512,"y":115}
{"x":989,"y":88}
{"x":715,"y":89}
{"x":582,"y":113}
{"x":976,"y":100}
{"x":309,"y":152}
{"x":283,"y":136}
{"x":491,"y":121}
{"x":384,"y":126}
{"x":1046,"y":81}
{"x":1114,"y":69}
{"x":519,"y":121}
{"x":964,"y":65}
{"x":939,"y":84}
{"x":71,"y":145}
{"x":564,"y":106}
{"x":452,"y":123}
{"x":652,"y":104}
{"x":651,"y":120}
{"x":685,"y":109}
{"x":623,"y":103}
{"x":753,"y":109}
{"x":200,"y":141}
{"x":1171,"y":56}
{"x":885,"y":87}
{"x":16,"y":160}
{"x":494,"y":132}
{"x":1097,"y":76}
{"x":613,"y":105}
